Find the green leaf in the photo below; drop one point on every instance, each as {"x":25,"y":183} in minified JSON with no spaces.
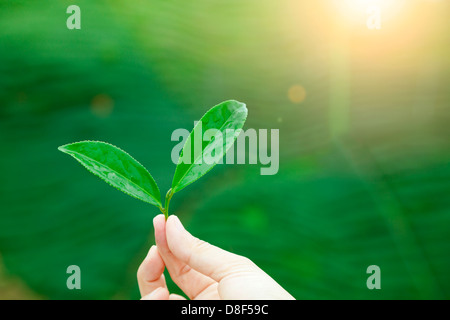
{"x":195,"y":161}
{"x":117,"y":168}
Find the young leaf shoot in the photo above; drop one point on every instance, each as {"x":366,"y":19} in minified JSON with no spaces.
{"x":123,"y":172}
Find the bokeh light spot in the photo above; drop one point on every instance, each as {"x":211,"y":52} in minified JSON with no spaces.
{"x":102,"y":105}
{"x":297,"y":94}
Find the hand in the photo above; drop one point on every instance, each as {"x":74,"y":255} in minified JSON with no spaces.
{"x":200,"y":269}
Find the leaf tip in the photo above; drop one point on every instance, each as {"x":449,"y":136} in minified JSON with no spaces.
{"x":239,"y":105}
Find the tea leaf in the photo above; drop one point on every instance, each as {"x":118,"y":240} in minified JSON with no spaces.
{"x":117,"y":168}
{"x":227,"y":118}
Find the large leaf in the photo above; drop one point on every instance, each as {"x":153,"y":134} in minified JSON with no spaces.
{"x":227,"y":118}
{"x":117,"y":168}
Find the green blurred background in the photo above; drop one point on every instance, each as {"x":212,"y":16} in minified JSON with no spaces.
{"x":364,"y":141}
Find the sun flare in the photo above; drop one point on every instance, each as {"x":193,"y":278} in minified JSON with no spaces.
{"x":357,"y":10}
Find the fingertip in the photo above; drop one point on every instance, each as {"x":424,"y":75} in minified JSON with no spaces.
{"x":158,"y":220}
{"x":161,"y":235}
{"x":178,"y":239}
{"x":160,"y":227}
{"x":154,"y":256}
{"x":172,"y":229}
{"x":152,"y":267}
{"x":174,"y":224}
{"x":150,"y":253}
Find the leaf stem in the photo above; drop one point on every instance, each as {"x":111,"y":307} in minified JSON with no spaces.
{"x":165,"y":210}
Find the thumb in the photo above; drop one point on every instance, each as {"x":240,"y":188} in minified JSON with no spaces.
{"x":202,"y":256}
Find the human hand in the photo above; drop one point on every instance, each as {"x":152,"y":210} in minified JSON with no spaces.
{"x":201,"y":270}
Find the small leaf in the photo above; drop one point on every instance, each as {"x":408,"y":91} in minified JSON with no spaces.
{"x":226,"y":116}
{"x":117,"y":168}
